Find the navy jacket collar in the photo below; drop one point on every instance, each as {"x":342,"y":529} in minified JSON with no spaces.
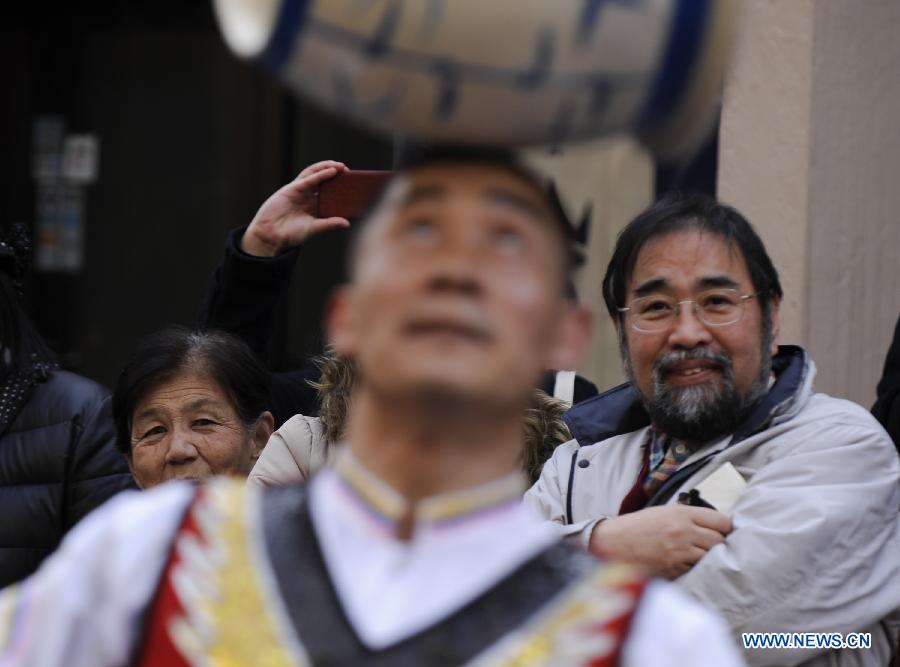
{"x":620,"y":410}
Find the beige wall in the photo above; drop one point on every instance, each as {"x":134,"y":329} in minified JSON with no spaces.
{"x":810,"y":151}
{"x":764,"y":139}
{"x":615,"y":177}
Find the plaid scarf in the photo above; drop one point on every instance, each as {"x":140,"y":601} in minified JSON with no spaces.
{"x":666,"y":455}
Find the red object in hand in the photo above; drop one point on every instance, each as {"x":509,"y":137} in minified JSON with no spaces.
{"x":350,"y":194}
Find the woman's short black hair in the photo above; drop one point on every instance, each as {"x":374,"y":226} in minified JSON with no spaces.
{"x":678,"y":212}
{"x":163,"y":355}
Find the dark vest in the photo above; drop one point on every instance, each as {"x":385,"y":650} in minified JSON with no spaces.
{"x":544,"y":587}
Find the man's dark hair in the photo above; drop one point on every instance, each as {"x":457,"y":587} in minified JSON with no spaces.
{"x":419,"y":156}
{"x":17,"y":333}
{"x":679,"y":212}
{"x":164,"y":355}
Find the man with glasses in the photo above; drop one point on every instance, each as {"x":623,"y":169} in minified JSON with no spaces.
{"x":717,"y":465}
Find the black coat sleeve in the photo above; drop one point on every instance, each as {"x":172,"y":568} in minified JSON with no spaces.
{"x":887,"y":405}
{"x":96,"y":470}
{"x":242,"y":300}
{"x":244,"y":293}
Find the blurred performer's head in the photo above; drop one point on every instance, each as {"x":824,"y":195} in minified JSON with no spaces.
{"x":456,"y":301}
{"x":189,"y":405}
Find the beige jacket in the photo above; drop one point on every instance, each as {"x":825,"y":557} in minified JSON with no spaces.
{"x":293,"y":453}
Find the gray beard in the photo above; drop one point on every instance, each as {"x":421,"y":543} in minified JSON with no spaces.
{"x":702,"y":412}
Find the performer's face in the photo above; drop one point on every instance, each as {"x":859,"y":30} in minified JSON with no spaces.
{"x":187,"y":428}
{"x":457,"y":290}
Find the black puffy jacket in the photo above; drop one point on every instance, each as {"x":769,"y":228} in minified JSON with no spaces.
{"x":58,"y":461}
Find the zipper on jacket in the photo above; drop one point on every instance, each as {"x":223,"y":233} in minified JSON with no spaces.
{"x":569,"y":491}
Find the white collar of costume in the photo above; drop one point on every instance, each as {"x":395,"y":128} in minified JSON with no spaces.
{"x":462,"y":544}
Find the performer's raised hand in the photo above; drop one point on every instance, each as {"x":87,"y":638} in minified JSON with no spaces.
{"x":288,"y":217}
{"x":667,"y":541}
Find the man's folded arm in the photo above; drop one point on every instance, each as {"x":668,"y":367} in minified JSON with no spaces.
{"x":815,"y":540}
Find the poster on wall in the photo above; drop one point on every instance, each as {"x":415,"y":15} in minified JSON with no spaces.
{"x":62,"y":166}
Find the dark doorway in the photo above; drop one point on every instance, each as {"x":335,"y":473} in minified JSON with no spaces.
{"x":191,"y":142}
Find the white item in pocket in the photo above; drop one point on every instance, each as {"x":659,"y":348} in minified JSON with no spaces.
{"x":722,"y":488}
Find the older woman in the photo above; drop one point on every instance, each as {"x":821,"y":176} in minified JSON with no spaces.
{"x":190,"y":405}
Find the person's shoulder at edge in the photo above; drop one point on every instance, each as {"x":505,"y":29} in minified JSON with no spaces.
{"x":563,"y":454}
{"x":129,"y":521}
{"x":832,"y":409}
{"x":292,"y":454}
{"x":64,"y":395}
{"x":89,"y":593}
{"x":846,"y":423}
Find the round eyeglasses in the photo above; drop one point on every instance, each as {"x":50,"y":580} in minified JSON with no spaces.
{"x":715,"y":308}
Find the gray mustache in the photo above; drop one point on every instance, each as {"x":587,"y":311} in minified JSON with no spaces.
{"x":667,"y":361}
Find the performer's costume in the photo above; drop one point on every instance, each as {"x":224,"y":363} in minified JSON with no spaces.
{"x":316,"y":576}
